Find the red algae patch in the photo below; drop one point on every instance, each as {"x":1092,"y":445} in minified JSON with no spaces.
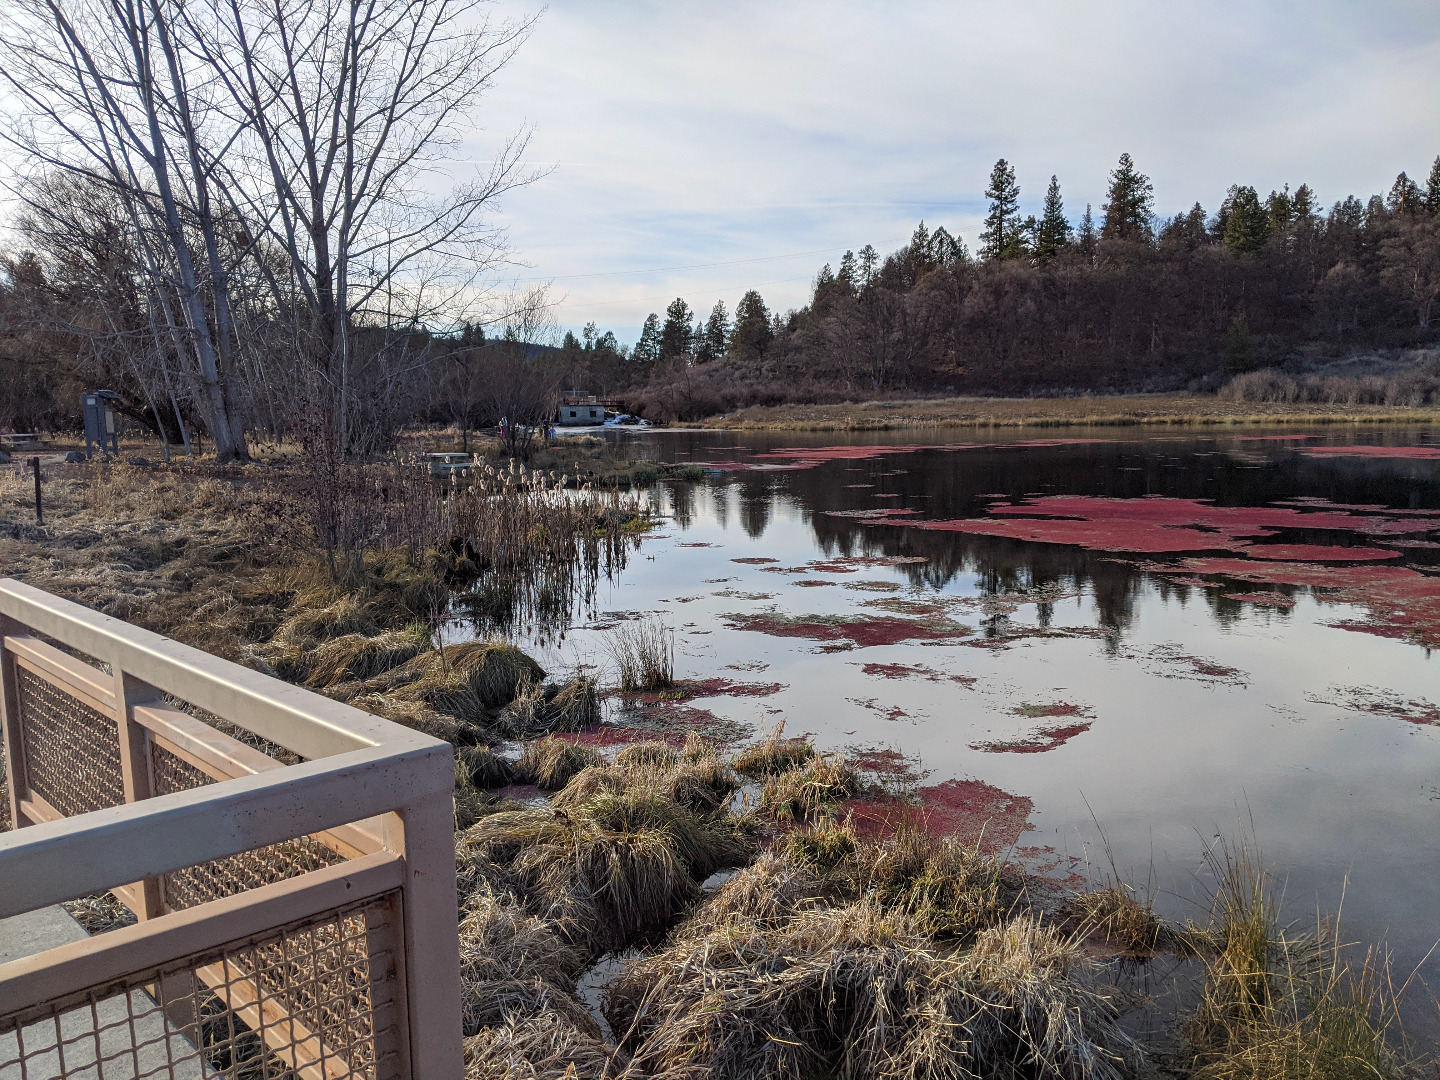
{"x":755,"y":560}
{"x":1037,"y":742}
{"x":1161,"y":525}
{"x":1402,"y":603}
{"x":1412,"y":453}
{"x":915,"y":671}
{"x":813,"y":583}
{"x":891,"y":767}
{"x":973,"y":811}
{"x":1377,"y":702}
{"x":848,"y":632}
{"x":1318,"y":553}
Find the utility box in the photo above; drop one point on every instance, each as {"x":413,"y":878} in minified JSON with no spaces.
{"x":100,"y":427}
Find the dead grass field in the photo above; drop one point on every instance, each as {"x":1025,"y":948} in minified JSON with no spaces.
{"x":1138,"y":409}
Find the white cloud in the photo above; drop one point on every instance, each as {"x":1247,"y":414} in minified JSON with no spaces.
{"x":689,"y":133}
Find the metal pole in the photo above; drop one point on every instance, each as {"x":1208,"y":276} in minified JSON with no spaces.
{"x":39,"y":510}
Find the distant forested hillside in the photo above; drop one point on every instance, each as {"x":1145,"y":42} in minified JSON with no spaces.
{"x":1124,"y":300}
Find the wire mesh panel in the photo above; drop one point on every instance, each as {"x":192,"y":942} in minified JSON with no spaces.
{"x":318,"y":1000}
{"x":72,"y":752}
{"x":236,"y":873}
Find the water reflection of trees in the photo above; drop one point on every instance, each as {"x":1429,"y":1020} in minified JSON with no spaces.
{"x":966,"y":483}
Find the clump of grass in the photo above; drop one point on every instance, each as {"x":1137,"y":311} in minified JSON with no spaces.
{"x":1116,"y":914}
{"x":769,"y":891}
{"x":953,"y":891}
{"x":643,"y":653}
{"x":356,"y":657}
{"x":651,"y":753}
{"x":858,"y":990}
{"x":774,"y":754}
{"x":99,"y":913}
{"x":803,"y":793}
{"x":824,"y":845}
{"x":551,"y":763}
{"x":513,"y":963}
{"x":608,"y":873}
{"x":541,"y":709}
{"x":544,"y":1047}
{"x":696,"y":779}
{"x":482,"y":767}
{"x":575,"y":706}
{"x":1276,"y":1004}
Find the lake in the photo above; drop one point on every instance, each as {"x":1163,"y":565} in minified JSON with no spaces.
{"x":1109,"y":637}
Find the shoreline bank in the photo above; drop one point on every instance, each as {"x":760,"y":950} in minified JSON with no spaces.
{"x":1114,"y":411}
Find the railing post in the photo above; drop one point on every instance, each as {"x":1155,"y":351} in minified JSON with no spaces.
{"x":135,"y":768}
{"x":424,"y":833}
{"x":14,"y":749}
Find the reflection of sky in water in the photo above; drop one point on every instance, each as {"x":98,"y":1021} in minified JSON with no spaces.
{"x":1172,"y":757}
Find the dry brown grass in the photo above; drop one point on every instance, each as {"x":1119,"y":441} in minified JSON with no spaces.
{"x":1116,"y":915}
{"x":774,"y":754}
{"x":1280,"y":1005}
{"x":805,"y":792}
{"x":543,"y":1047}
{"x":550,"y":763}
{"x":1147,"y":409}
{"x":606,"y":874}
{"x":507,"y":954}
{"x":699,"y":781}
{"x":859,"y":991}
{"x":643,"y":653}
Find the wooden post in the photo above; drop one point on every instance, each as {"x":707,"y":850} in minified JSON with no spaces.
{"x":14,"y":746}
{"x":39,"y":509}
{"x":135,"y":767}
{"x":423,"y":832}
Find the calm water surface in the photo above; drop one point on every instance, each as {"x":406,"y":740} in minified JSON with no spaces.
{"x":1206,"y":713}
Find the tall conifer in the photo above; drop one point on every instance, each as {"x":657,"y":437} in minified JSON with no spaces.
{"x":1129,"y":203}
{"x":1002,"y":238}
{"x":1053,"y":235}
{"x":1432,"y":188}
{"x":1086,"y":238}
{"x":752,"y":333}
{"x":647,"y":349}
{"x":717,"y":333}
{"x":675,"y":335}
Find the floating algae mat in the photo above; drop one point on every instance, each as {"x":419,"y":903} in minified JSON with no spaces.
{"x":1118,"y":637}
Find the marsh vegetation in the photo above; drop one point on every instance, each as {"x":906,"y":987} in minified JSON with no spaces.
{"x":755,"y":925}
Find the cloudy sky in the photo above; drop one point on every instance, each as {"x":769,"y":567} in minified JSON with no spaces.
{"x":703,"y":148}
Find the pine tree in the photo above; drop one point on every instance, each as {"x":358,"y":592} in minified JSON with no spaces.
{"x":647,"y":349}
{"x":1303,"y":205}
{"x":1280,"y":208}
{"x":675,"y":336}
{"x":1405,"y":197}
{"x":752,"y":333}
{"x":1128,"y":204}
{"x":1086,"y":239}
{"x":1432,"y":188}
{"x":849,"y":275}
{"x":717,"y":334}
{"x":1001,"y":238}
{"x":869,"y":264}
{"x":945,"y":249}
{"x":1053,"y":235}
{"x":1247,"y":222}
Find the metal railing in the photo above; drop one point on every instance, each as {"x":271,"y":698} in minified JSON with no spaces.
{"x":289,"y":859}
